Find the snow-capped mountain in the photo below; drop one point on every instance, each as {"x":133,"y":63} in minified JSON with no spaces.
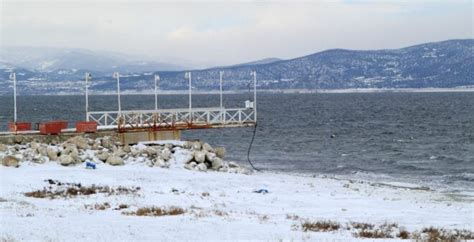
{"x":441,"y":64}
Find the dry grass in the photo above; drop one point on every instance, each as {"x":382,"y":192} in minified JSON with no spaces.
{"x":384,"y":231}
{"x":205,"y":194}
{"x":436,"y":234}
{"x":403,"y":234}
{"x":292,"y":217}
{"x":320,"y":226}
{"x":65,"y":190}
{"x":157,"y":211}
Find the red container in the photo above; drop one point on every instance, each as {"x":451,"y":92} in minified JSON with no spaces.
{"x":86,"y":127}
{"x":19,"y":126}
{"x":52,"y":127}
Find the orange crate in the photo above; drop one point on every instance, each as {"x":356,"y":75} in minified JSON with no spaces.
{"x":52,"y":127}
{"x":86,"y":127}
{"x":20,"y":126}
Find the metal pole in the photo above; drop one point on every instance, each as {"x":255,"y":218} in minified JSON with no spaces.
{"x":190,"y":98}
{"x":157,"y":78}
{"x":220,"y":79}
{"x":255,"y":94}
{"x":117,"y":75}
{"x":13,"y":77}
{"x":87,"y":95}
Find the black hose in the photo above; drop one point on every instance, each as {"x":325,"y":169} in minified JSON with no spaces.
{"x":250,"y":148}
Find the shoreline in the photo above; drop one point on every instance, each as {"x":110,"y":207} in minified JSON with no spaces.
{"x":274,"y":91}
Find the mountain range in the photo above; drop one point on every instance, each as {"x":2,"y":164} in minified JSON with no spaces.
{"x":445,"y":64}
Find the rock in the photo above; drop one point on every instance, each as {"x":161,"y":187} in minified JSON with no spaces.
{"x":43,"y":151}
{"x":207,"y":147}
{"x":210,"y":156}
{"x":161,"y":163}
{"x":220,"y":152}
{"x":75,"y":156}
{"x":52,"y":154}
{"x":10,"y":161}
{"x":3,"y":148}
{"x":126,"y":148}
{"x":18,"y":139}
{"x":39,"y":159}
{"x":168,"y":146}
{"x":190,"y":166}
{"x":199,"y":156}
{"x":233,"y":165}
{"x":66,"y":160}
{"x":201,"y":167}
{"x":216,"y":163}
{"x":187,"y":145}
{"x":197,"y":145}
{"x":120,"y":153}
{"x":165,"y":154}
{"x":151,"y":151}
{"x":115,"y":161}
{"x":223,"y":169}
{"x":102,"y":155}
{"x":107,"y":143}
{"x":96,"y":146}
{"x":69,"y":148}
{"x":79,"y":141}
{"x":34,"y":145}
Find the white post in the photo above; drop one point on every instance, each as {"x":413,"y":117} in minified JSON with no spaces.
{"x":220,"y":80}
{"x":157,"y":79}
{"x":117,"y":76}
{"x":188,"y":74}
{"x":13,"y":78}
{"x":255,"y":94}
{"x":88,"y":76}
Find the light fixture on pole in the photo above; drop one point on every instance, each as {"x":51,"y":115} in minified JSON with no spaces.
{"x":254,"y":73}
{"x":116,"y":75}
{"x":157,"y":82}
{"x":13,"y":78}
{"x":188,"y":75}
{"x":88,"y":78}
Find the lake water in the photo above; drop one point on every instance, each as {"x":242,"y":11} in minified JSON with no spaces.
{"x":422,"y":138}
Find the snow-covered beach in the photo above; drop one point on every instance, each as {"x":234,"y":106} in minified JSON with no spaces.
{"x":225,"y":205}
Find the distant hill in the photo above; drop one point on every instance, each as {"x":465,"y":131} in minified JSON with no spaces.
{"x":440,"y":64}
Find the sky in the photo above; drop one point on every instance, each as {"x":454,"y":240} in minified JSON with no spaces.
{"x":208,"y":33}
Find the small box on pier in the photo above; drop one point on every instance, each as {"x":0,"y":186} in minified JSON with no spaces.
{"x":52,"y":127}
{"x":86,"y":127}
{"x":19,"y":126}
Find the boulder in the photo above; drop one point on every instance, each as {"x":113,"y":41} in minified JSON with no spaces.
{"x":115,"y":161}
{"x":168,"y":146}
{"x":216,"y":163}
{"x":233,"y":165}
{"x":207,"y":147}
{"x":79,"y":141}
{"x":161,"y":163}
{"x":165,"y":154}
{"x":39,"y":159}
{"x":10,"y":161}
{"x":107,"y":143}
{"x":66,"y":160}
{"x":201,"y":167}
{"x":102,"y":155}
{"x":3,"y":148}
{"x":75,"y":156}
{"x":52,"y":154}
{"x":197,"y":145}
{"x":34,"y":145}
{"x":69,"y":148}
{"x":199,"y":156}
{"x":120,"y":153}
{"x":42,"y":151}
{"x":96,"y":146}
{"x":210,"y":156}
{"x":18,"y":139}
{"x":220,"y":152}
{"x":190,"y":165}
{"x":151,"y":151}
{"x":126,"y":148}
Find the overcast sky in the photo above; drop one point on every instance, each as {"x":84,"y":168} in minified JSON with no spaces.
{"x":229,"y":32}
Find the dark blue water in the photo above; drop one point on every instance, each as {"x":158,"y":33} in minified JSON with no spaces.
{"x":426,"y":138}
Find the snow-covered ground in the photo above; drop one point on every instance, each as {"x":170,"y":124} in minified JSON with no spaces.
{"x":217,"y":205}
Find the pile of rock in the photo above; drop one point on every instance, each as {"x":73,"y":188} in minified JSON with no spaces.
{"x":196,"y":155}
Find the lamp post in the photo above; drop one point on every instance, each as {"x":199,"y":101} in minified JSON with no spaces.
{"x":188,"y":75}
{"x":13,"y":78}
{"x":220,"y":85}
{"x":88,"y":78}
{"x":157,"y":81}
{"x":117,"y":76}
{"x":254,"y":73}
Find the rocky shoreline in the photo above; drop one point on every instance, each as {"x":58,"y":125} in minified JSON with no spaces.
{"x":77,"y":150}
